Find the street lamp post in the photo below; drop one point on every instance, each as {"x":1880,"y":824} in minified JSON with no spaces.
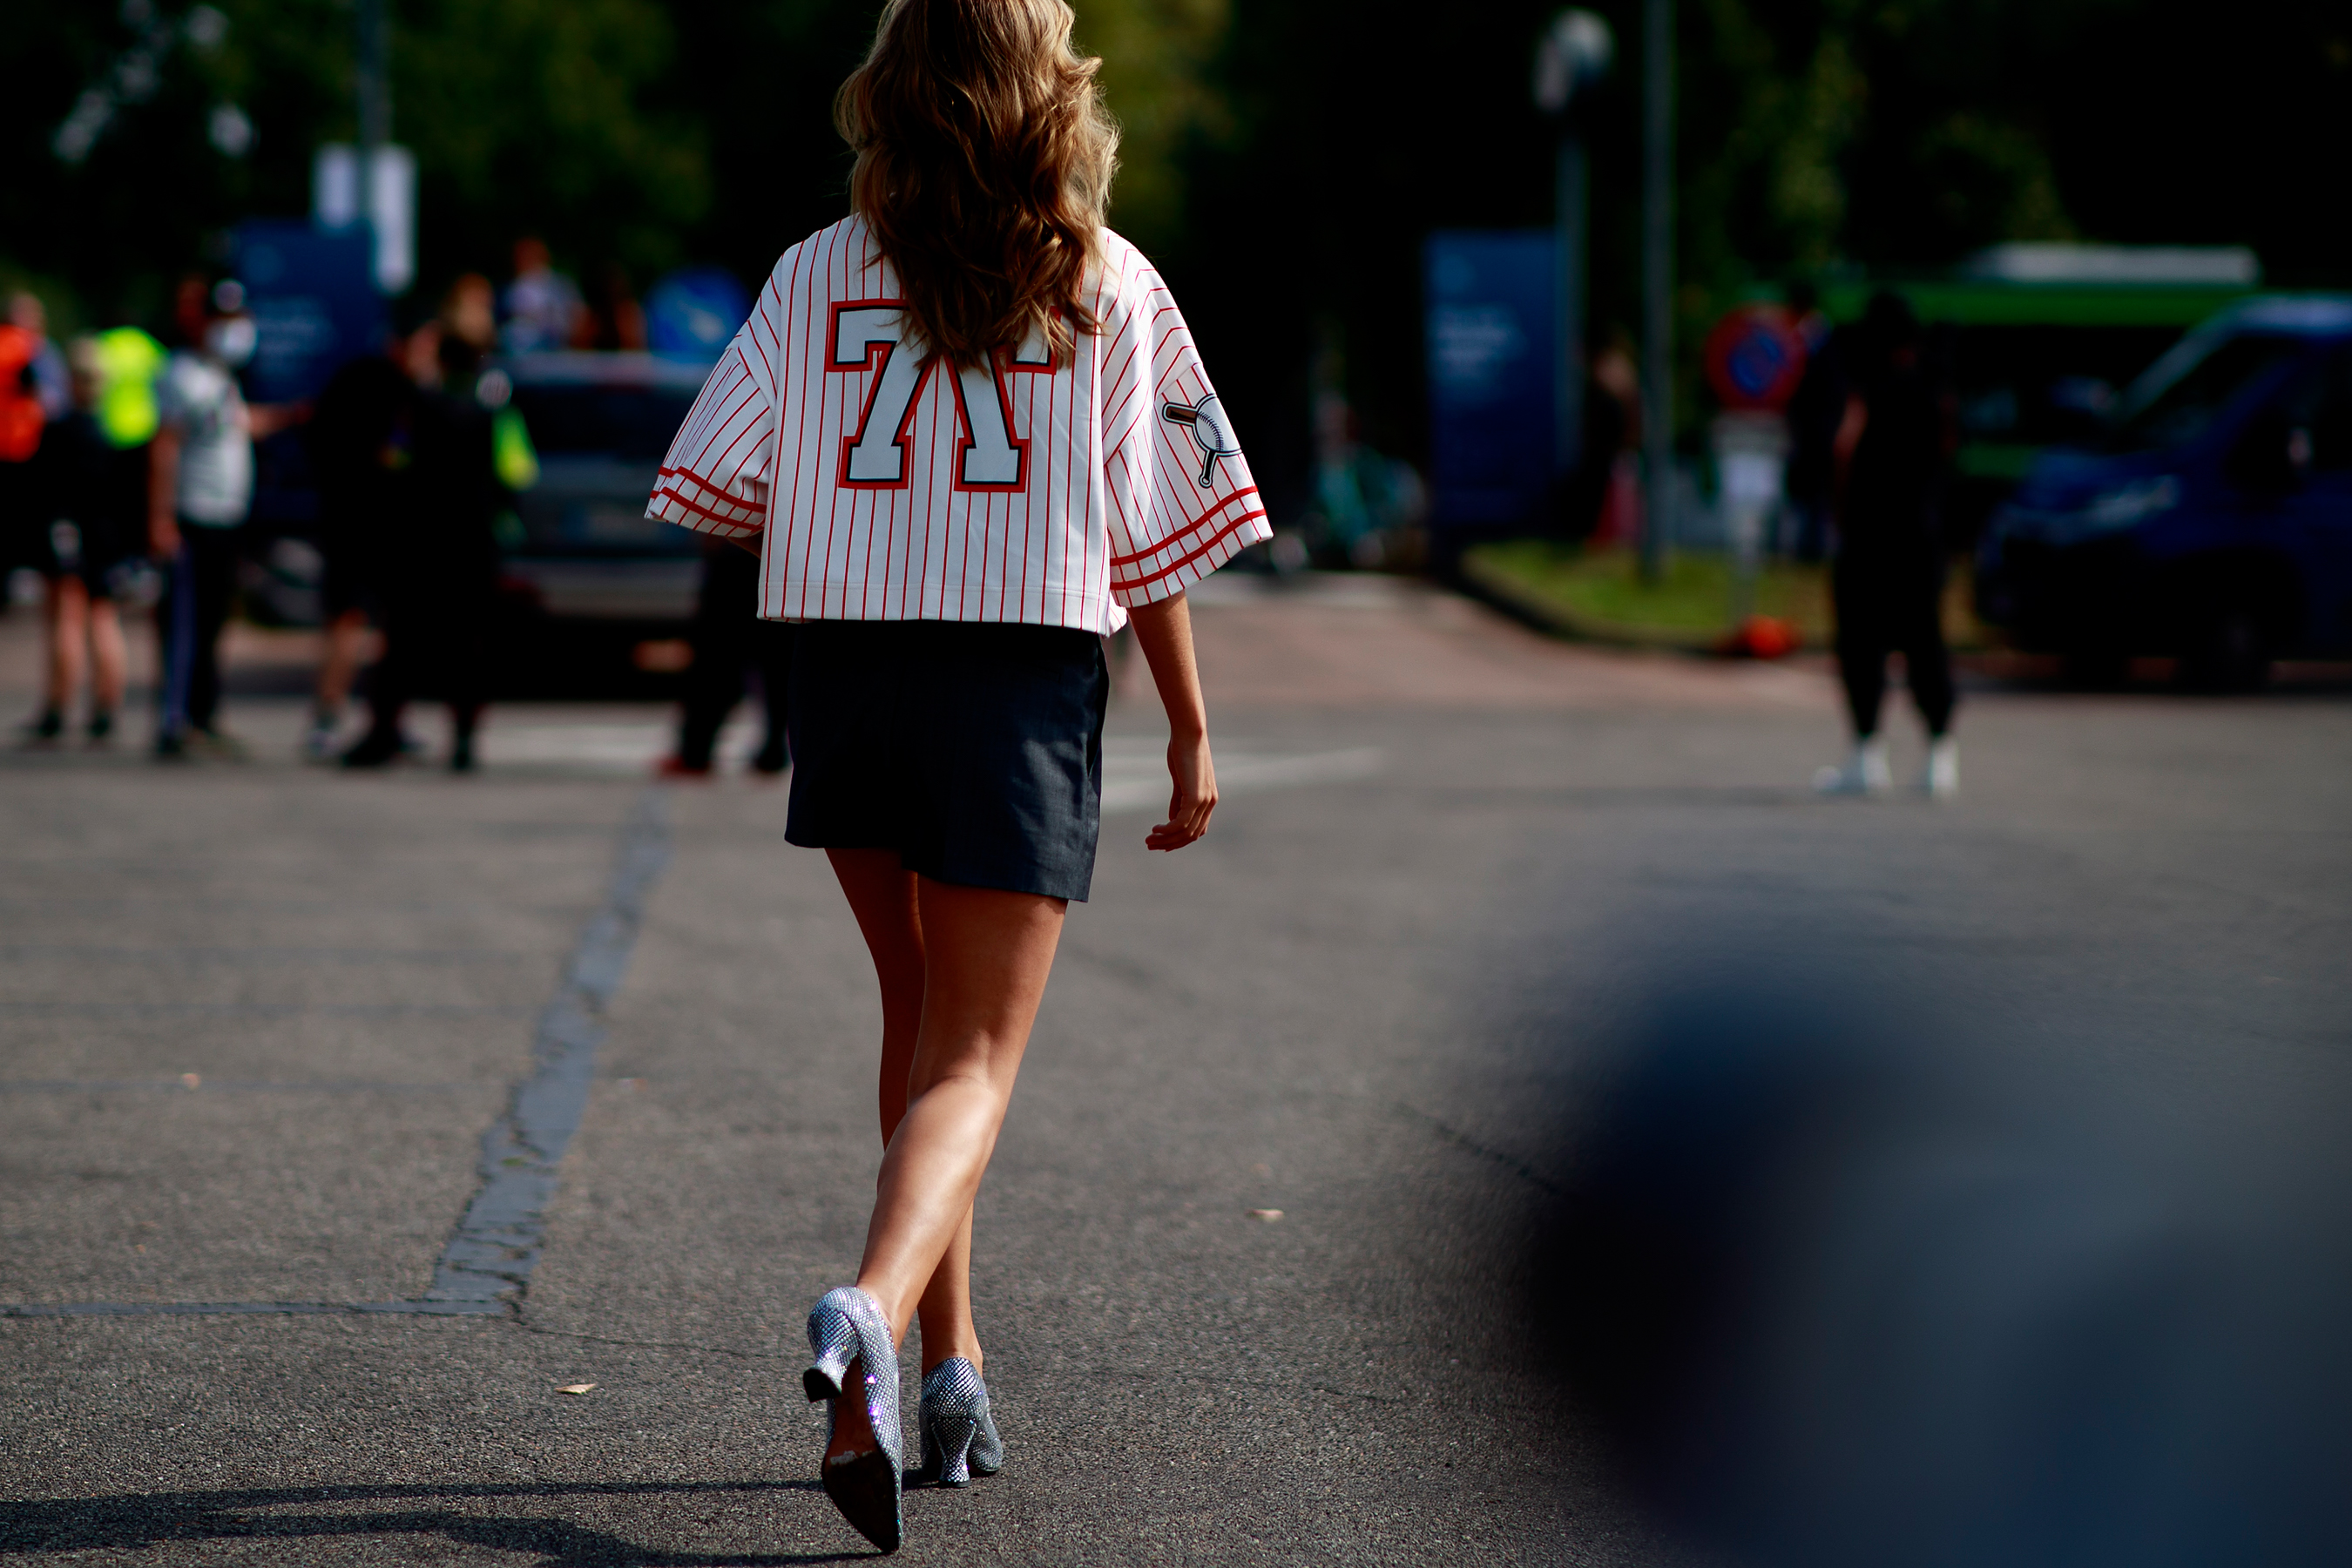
{"x":371,"y":181}
{"x":1658,"y":281}
{"x":375,"y":89}
{"x":1575,"y":54}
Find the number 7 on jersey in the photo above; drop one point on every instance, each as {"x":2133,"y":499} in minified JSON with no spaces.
{"x":870,"y":336}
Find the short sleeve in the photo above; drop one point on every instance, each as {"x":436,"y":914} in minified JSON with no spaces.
{"x":1181,"y":499}
{"x":715,"y":479}
{"x":172,"y":392}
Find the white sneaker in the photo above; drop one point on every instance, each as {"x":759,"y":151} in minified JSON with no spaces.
{"x":1942,"y":777}
{"x":318,"y":740}
{"x":1865,"y":772}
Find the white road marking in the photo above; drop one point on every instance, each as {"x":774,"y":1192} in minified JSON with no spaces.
{"x":1135,"y":769}
{"x":629,"y":749}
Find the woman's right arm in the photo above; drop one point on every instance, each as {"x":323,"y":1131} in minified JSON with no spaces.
{"x":1164,"y":631}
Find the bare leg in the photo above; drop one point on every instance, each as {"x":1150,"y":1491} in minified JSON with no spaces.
{"x":67,"y":603}
{"x":986,"y":957}
{"x":883,"y":896}
{"x":944,"y":1310}
{"x":110,"y":664}
{"x":346,"y":640}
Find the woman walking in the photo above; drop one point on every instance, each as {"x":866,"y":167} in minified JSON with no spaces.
{"x":967,"y":431}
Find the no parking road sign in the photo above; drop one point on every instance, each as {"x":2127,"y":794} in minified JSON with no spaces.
{"x":1755,"y":358}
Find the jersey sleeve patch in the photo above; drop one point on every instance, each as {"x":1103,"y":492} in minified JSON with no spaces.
{"x":1182,"y":500}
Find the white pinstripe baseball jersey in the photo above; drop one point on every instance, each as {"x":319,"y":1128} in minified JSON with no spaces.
{"x":891,"y":486}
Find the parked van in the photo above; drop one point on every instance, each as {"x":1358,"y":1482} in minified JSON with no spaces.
{"x":2211,"y":519}
{"x":585,"y":552}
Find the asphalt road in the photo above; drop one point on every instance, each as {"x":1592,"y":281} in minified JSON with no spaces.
{"x":256,"y":1019}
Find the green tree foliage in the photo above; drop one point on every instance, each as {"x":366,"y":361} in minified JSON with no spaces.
{"x":1840,"y":133}
{"x":525,"y":115}
{"x":132,"y":202}
{"x":529,"y":116}
{"x":1889,"y":135}
{"x":1283,"y":158}
{"x":1156,"y":55}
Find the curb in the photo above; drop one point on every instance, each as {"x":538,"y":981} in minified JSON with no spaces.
{"x":1539,"y":613}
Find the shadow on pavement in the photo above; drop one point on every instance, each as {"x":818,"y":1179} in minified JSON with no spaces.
{"x":140,"y":1520}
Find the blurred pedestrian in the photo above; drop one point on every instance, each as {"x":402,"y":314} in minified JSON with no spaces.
{"x":999,"y":369}
{"x":612,"y":321}
{"x":52,"y":382}
{"x":1610,"y":423}
{"x":362,"y":447}
{"x":468,"y":320}
{"x":22,"y":416}
{"x":1613,"y":440}
{"x":130,"y":363}
{"x":728,"y":639}
{"x":435,"y":565}
{"x":93,"y":529}
{"x":199,"y":487}
{"x":471,"y":312}
{"x":1894,"y":445}
{"x":542,"y":305}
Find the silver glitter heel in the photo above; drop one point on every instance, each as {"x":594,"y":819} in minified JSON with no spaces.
{"x":854,"y":1359}
{"x":960,"y":1439}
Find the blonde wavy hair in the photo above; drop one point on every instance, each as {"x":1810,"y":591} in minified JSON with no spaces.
{"x":984,"y":162}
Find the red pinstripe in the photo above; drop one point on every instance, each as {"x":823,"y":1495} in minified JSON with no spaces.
{"x":725,"y":524}
{"x":1198,"y":522}
{"x":1224,"y":533}
{"x":1105,"y":521}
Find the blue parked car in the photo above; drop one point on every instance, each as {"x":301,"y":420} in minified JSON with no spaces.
{"x":2213,"y":519}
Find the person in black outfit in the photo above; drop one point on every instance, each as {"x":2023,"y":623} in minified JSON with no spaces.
{"x":92,"y":504}
{"x":1886,"y":585}
{"x":359,"y":444}
{"x":434,"y":564}
{"x":729,"y":637}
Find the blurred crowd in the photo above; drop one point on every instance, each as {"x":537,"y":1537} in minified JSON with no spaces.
{"x":127,"y":483}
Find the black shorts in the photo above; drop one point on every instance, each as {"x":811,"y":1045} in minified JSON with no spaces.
{"x":974,"y":750}
{"x":75,"y":550}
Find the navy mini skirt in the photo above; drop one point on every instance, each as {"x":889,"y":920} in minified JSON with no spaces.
{"x":974,"y":749}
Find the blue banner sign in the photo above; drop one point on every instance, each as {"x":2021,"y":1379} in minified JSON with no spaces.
{"x":693,"y":313}
{"x":1493,"y":320}
{"x":312,"y":293}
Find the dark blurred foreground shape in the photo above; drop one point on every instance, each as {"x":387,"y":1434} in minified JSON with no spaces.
{"x":1849,"y":1294}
